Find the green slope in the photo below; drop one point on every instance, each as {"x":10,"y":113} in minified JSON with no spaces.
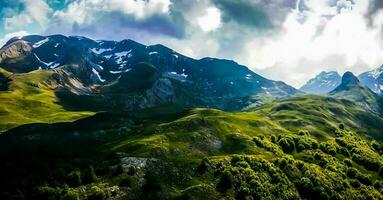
{"x":30,"y":98}
{"x":308,"y":147}
{"x":321,"y":115}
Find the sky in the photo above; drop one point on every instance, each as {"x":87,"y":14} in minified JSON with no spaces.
{"x":287,"y":40}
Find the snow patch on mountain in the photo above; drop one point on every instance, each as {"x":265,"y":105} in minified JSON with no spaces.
{"x":50,"y":64}
{"x":95,"y":72}
{"x":118,"y":72}
{"x":39,"y":43}
{"x":54,"y":65}
{"x":99,"y":67}
{"x":100,"y":50}
{"x":376,"y":73}
{"x":174,"y":75}
{"x":121,"y":55}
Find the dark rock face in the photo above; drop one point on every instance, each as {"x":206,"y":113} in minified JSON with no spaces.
{"x":349,"y":79}
{"x":18,"y":57}
{"x":349,"y":83}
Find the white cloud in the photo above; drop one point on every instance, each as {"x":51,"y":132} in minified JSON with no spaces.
{"x":11,"y":35}
{"x":326,"y":36}
{"x":87,"y":11}
{"x":35,"y":11}
{"x":192,"y":46}
{"x":211,"y":20}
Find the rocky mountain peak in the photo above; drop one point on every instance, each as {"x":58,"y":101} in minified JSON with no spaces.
{"x":351,"y":89}
{"x":15,"y":50}
{"x":349,"y":78}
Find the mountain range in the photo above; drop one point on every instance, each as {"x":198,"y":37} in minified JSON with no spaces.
{"x":328,"y":81}
{"x":84,"y":67}
{"x":86,"y":119}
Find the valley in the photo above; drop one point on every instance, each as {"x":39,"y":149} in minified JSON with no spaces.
{"x":85,"y":119}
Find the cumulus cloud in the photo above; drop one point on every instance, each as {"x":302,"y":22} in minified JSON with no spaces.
{"x":325,"y":35}
{"x":84,"y":11}
{"x":255,"y":13}
{"x":211,"y":20}
{"x":118,"y":18}
{"x":375,"y":6}
{"x":36,"y":12}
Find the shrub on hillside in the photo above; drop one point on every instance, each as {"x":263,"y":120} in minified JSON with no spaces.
{"x":71,"y":194}
{"x":74,"y":178}
{"x":344,"y":151}
{"x":126,"y":182}
{"x":376,"y":145}
{"x":89,"y":176}
{"x":368,"y":162}
{"x":303,"y":133}
{"x":46,"y":193}
{"x":236,"y":159}
{"x":152,"y":187}
{"x":96,"y":193}
{"x":306,"y":144}
{"x":328,"y":148}
{"x":348,"y":162}
{"x":287,"y":145}
{"x":225,"y":182}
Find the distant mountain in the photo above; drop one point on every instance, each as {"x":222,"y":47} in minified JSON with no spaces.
{"x":373,"y":79}
{"x":328,"y":81}
{"x":113,"y":72}
{"x":352,"y":89}
{"x":322,"y":83}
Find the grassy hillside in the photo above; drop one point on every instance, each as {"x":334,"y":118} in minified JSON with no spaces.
{"x":308,"y":147}
{"x":321,"y":115}
{"x":31,"y":99}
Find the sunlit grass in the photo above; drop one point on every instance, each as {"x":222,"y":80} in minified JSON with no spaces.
{"x":31,"y":99}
